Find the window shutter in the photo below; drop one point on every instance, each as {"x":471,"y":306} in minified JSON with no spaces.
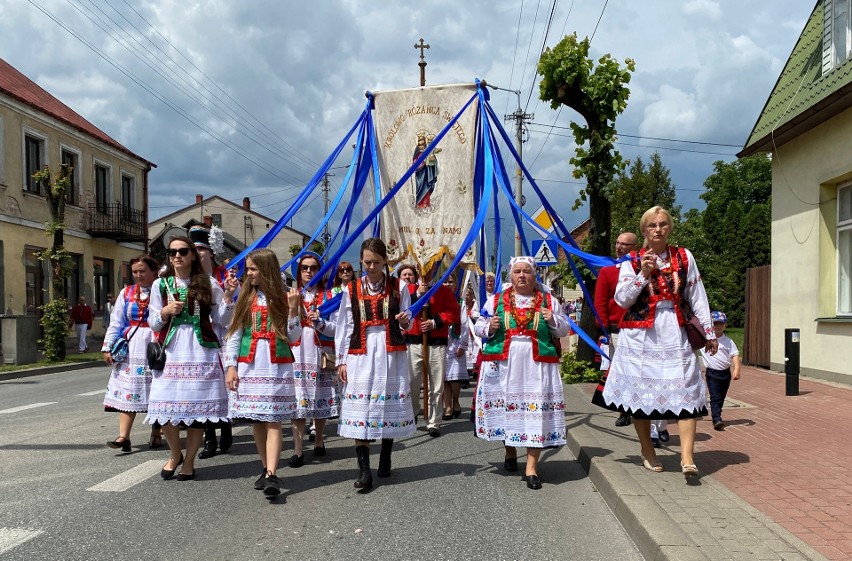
{"x":827,"y":44}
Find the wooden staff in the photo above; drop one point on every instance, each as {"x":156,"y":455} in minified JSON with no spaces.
{"x":424,"y":315}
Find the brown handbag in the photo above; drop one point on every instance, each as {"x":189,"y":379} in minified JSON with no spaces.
{"x":694,"y":330}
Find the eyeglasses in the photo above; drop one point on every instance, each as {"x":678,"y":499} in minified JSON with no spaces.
{"x":309,"y":267}
{"x":182,"y":251}
{"x":622,"y":244}
{"x":345,"y":270}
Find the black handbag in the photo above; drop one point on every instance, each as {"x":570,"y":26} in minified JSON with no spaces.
{"x":156,"y":355}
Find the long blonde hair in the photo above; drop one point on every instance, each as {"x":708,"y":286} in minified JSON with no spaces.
{"x":647,"y":216}
{"x":272,"y":286}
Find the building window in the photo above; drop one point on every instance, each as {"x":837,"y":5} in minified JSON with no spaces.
{"x":841,"y":37}
{"x":102,"y":281}
{"x":33,"y":161}
{"x":74,"y":280}
{"x":101,"y":188}
{"x":217,"y":220}
{"x":72,"y":159}
{"x":2,"y":152}
{"x":126,"y":274}
{"x":127,"y":192}
{"x":35,"y":280}
{"x":844,"y":250}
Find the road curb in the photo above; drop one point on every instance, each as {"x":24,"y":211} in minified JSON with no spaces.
{"x":26,"y":373}
{"x":657,"y":536}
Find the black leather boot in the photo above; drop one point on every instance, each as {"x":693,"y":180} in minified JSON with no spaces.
{"x":365,"y":478}
{"x":226,"y":439}
{"x":385,"y":458}
{"x":210,"y":444}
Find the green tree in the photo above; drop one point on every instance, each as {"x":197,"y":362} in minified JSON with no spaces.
{"x":54,"y":317}
{"x":733,"y":233}
{"x":598,"y":92}
{"x":639,"y":189}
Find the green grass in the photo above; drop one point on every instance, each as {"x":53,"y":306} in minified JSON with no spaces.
{"x":737,"y":334}
{"x":71,"y":358}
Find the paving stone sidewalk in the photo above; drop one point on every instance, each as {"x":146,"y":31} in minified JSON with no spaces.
{"x":771,"y":484}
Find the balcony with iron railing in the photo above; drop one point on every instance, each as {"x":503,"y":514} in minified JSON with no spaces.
{"x":117,"y":222}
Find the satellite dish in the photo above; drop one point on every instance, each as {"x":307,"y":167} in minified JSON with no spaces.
{"x":171,"y":233}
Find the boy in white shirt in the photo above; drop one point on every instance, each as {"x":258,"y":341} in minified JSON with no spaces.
{"x":721,"y":368}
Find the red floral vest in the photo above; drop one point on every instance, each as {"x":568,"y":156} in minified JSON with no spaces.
{"x":666,"y":284}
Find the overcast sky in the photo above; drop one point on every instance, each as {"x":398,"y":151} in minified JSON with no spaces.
{"x":247,"y":98}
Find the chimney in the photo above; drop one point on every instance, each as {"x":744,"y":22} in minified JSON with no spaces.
{"x":246,"y":203}
{"x":198,"y":199}
{"x":208,"y":221}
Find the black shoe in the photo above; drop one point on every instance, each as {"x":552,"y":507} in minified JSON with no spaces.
{"x":510,"y":464}
{"x":434,"y":433}
{"x":655,"y":442}
{"x":169,"y":473}
{"x":533,"y":482}
{"x":296,"y":461}
{"x":319,"y":451}
{"x":124,"y":445}
{"x":446,"y":417}
{"x":210,"y":444}
{"x":226,"y":440}
{"x":623,"y":420}
{"x":718,"y":425}
{"x":260,"y":482}
{"x":365,"y":478}
{"x":385,"y":458}
{"x":456,"y":413}
{"x":665,"y":436}
{"x":186,"y":476}
{"x":273,"y":486}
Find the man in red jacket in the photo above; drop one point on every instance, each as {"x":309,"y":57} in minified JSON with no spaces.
{"x":81,"y":320}
{"x":608,"y":310}
{"x":441,"y":312}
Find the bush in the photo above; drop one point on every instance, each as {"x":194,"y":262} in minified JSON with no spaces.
{"x":54,"y":320}
{"x":574,"y":371}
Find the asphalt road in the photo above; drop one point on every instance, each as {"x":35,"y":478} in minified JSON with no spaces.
{"x":65,"y":496}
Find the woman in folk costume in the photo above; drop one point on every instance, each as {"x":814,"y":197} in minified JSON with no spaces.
{"x":130,"y":382}
{"x":519,"y":398}
{"x":654,"y":373}
{"x":210,"y":242}
{"x":456,"y":371}
{"x":313,"y":346}
{"x":186,"y":310}
{"x":372,"y":361}
{"x":260,"y":362}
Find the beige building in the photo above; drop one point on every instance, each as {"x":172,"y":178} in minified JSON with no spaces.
{"x":806,"y":126}
{"x":239,"y":222}
{"x":106,"y":211}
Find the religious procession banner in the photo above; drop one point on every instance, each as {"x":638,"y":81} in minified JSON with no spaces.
{"x":430,"y":216}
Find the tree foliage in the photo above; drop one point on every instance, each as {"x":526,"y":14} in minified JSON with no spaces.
{"x":733,"y":232}
{"x":598,"y":92}
{"x":54,"y":317}
{"x":639,"y":189}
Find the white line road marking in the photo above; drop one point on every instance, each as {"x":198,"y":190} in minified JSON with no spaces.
{"x":25,"y":407}
{"x":96,"y":392}
{"x":13,"y":537}
{"x":133,"y":476}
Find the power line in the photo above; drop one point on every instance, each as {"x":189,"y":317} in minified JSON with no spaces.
{"x":287,"y":147}
{"x":592,"y":38}
{"x":515,"y":54}
{"x":156,"y":94}
{"x":532,"y":32}
{"x":737,"y":146}
{"x":655,"y":147}
{"x":541,"y":51}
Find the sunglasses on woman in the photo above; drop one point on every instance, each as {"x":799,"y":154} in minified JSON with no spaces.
{"x":182,"y":251}
{"x":307,"y":268}
{"x":345,"y":270}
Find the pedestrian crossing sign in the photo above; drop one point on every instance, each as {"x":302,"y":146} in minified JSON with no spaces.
{"x":544,"y":252}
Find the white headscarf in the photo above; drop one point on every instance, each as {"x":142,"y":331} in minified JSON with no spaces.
{"x":526,"y":259}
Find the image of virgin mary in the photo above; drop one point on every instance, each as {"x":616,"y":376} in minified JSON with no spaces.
{"x":426,"y":174}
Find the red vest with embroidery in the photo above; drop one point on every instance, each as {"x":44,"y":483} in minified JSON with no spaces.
{"x":666,"y":284}
{"x":320,"y":339}
{"x":369,"y":310}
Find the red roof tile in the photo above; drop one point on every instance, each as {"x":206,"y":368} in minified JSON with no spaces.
{"x":18,"y":86}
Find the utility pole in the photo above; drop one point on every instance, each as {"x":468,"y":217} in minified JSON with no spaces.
{"x":520,"y":117}
{"x":326,"y":237}
{"x":422,"y":64}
